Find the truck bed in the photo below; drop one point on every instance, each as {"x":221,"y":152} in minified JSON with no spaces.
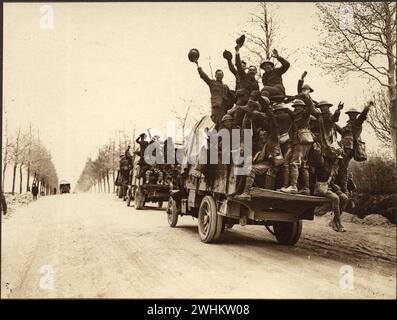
{"x":277,"y":205}
{"x":278,"y":195}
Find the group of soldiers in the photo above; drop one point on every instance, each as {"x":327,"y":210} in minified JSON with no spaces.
{"x":134,"y":167}
{"x":300,"y":145}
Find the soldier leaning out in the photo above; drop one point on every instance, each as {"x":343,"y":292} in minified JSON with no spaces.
{"x":351,"y":141}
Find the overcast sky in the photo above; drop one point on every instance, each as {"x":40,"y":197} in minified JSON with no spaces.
{"x":108,"y":66}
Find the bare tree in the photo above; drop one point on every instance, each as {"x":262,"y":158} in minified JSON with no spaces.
{"x":379,"y":117}
{"x":16,"y":147}
{"x":261,"y":40}
{"x":182,"y":119}
{"x":29,"y":156}
{"x":360,"y":39}
{"x":6,"y":153}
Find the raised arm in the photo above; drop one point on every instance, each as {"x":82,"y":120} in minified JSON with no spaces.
{"x":231,"y":67}
{"x":301,"y":81}
{"x":284,"y":63}
{"x":240,"y":69}
{"x":204,"y":76}
{"x":265,"y":103}
{"x":336,"y":115}
{"x":363,"y":115}
{"x":300,"y":85}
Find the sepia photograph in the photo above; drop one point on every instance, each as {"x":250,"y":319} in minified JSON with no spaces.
{"x":198,"y":150}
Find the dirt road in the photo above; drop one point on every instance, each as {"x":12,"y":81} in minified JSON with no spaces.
{"x":92,"y":245}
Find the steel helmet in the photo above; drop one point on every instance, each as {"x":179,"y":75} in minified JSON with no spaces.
{"x":352,"y":110}
{"x":227,"y":117}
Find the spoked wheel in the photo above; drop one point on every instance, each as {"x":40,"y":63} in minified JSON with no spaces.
{"x":139,"y":199}
{"x":210,"y":224}
{"x":172,"y":212}
{"x":160,"y":204}
{"x":287,"y":232}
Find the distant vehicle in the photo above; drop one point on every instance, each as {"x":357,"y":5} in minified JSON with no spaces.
{"x":64,"y":186}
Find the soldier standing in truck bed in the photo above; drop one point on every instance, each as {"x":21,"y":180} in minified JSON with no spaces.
{"x":272,"y":77}
{"x":268,"y":154}
{"x":222,"y":98}
{"x":228,"y":56}
{"x":247,"y":79}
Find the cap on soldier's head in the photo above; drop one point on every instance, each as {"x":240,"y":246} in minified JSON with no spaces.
{"x":324,"y":103}
{"x":298,"y":102}
{"x":262,"y":65}
{"x":352,"y":110}
{"x":307,"y":87}
{"x":227,"y":117}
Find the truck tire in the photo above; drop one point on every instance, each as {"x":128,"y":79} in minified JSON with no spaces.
{"x":172,"y":212}
{"x":288,"y":233}
{"x":209,"y":222}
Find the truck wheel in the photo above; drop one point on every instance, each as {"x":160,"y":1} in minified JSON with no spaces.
{"x":160,"y":204}
{"x":172,"y":212}
{"x":139,"y":199}
{"x":288,"y":233}
{"x":209,"y":222}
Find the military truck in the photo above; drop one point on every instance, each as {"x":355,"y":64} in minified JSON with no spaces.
{"x":217,"y":208}
{"x":64,"y":187}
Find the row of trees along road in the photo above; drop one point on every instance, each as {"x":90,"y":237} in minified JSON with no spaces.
{"x":24,"y":150}
{"x":97,"y":172}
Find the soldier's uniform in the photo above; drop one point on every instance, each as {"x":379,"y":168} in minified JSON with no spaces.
{"x":326,"y":125}
{"x":326,"y":173}
{"x":222,"y":99}
{"x":284,"y":121}
{"x":350,"y":134}
{"x":245,"y":81}
{"x":236,"y":112}
{"x":269,"y":154}
{"x":273,"y":81}
{"x":302,"y":140}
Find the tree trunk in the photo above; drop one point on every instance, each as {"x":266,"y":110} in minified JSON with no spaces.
{"x":20,"y":178}
{"x":13,"y":179}
{"x":114,"y":179}
{"x":104,"y":183}
{"x":391,"y":73}
{"x":107,"y":181}
{"x":28,"y":179}
{"x":4,"y":175}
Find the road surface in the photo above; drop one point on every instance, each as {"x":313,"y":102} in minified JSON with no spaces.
{"x":94,"y":246}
